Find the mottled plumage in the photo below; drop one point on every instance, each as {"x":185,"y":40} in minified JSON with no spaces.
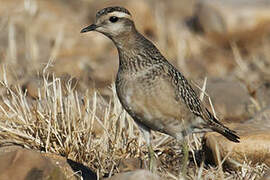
{"x":155,"y":94}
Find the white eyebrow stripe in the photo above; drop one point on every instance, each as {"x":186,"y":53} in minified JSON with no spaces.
{"x":120,"y":14}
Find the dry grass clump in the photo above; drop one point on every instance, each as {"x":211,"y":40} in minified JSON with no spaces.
{"x":65,"y":125}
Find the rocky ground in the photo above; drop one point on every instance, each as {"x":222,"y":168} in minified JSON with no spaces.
{"x":59,"y":114}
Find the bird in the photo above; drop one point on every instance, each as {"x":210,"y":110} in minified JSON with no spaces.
{"x":153,"y":92}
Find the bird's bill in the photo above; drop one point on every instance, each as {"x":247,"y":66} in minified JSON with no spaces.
{"x":92,"y":27}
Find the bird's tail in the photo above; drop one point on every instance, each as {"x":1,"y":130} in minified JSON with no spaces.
{"x":217,"y":126}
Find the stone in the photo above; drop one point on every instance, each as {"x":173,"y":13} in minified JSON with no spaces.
{"x":230,"y":98}
{"x":35,"y":85}
{"x":266,"y":176}
{"x":263,"y":94}
{"x":261,"y":117}
{"x":32,"y":88}
{"x":242,"y":20}
{"x":135,"y":175}
{"x":35,"y":165}
{"x":27,"y":164}
{"x":62,"y":163}
{"x":254,"y":143}
{"x":130,"y":164}
{"x":70,"y":168}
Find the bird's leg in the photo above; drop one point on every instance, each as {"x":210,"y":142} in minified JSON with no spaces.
{"x":151,"y":154}
{"x":184,"y":146}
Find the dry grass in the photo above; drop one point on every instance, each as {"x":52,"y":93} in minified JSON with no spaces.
{"x":65,"y":121}
{"x":63,"y":125}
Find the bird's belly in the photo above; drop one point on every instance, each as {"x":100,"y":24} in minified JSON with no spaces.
{"x":152,"y":108}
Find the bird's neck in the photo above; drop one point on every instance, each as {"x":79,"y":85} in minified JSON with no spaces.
{"x":133,"y":51}
{"x":127,"y":40}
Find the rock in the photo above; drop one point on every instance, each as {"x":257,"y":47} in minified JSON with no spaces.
{"x":35,"y":85}
{"x":32,"y":88}
{"x":230,"y":99}
{"x":242,"y":20}
{"x":130,"y":164}
{"x":263,"y":94}
{"x":31,"y":164}
{"x":9,"y":148}
{"x":213,"y":62}
{"x":62,"y":163}
{"x":266,"y":176}
{"x":70,"y":168}
{"x":261,"y":117}
{"x":27,"y":164}
{"x":135,"y":175}
{"x":254,"y":143}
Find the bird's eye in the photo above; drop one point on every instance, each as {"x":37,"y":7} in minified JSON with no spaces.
{"x":113,"y":19}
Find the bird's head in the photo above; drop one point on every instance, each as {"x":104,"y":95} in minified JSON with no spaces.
{"x":112,"y":22}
